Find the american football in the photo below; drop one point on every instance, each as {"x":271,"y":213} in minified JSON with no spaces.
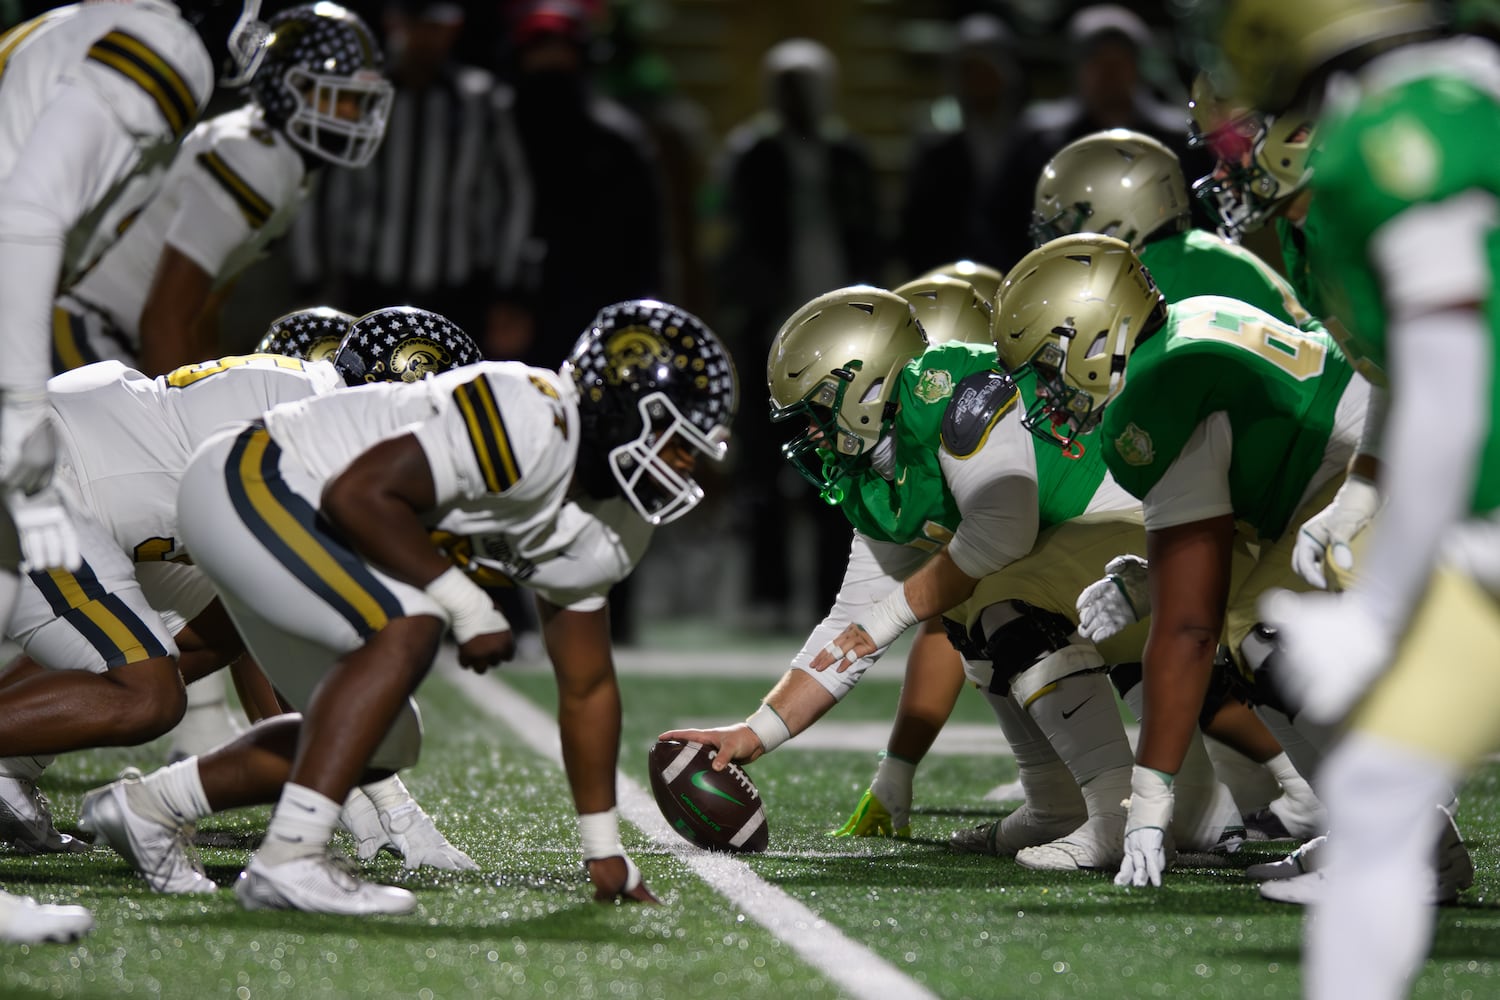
{"x":719,"y":810}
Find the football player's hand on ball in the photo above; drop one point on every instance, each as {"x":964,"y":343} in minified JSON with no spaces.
{"x":488,"y":649}
{"x":1146,"y":823}
{"x":1119,"y":600}
{"x":1332,"y":650}
{"x":736,"y":744}
{"x":45,"y":530}
{"x":1328,"y":533}
{"x":617,"y":877}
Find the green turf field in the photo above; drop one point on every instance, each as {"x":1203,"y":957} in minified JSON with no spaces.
{"x":928,"y":922}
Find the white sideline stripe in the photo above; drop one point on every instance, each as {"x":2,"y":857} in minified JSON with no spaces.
{"x":857,"y":970}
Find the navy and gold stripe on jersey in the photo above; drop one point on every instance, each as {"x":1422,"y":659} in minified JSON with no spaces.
{"x":257,"y":210}
{"x":135,"y":60}
{"x":291,"y":530}
{"x":105,"y":622}
{"x":497,"y":459}
{"x":70,"y":342}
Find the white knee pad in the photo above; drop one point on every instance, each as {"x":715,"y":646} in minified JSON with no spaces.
{"x":403,"y":741}
{"x":1078,"y":657}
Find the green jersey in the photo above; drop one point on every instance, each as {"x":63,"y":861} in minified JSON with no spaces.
{"x":1195,"y":262}
{"x":915,"y":505}
{"x":1425,"y":138}
{"x":1278,"y":386}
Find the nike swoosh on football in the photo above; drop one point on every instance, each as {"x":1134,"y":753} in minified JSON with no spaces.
{"x":698,"y":782}
{"x":1069,"y":712}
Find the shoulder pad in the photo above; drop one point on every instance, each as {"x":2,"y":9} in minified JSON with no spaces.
{"x":978,"y":403}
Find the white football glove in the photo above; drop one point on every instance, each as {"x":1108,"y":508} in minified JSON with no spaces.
{"x":28,"y":443}
{"x":406,"y":831}
{"x":45,"y":529}
{"x":1121,"y":599}
{"x":1146,"y":823}
{"x":1327,"y":534}
{"x":1332,"y":649}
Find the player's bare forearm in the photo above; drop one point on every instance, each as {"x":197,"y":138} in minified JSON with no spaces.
{"x":938,"y":586}
{"x":169,"y":319}
{"x":588,"y":701}
{"x":376,"y":503}
{"x":797,"y":699}
{"x":1189,"y":592}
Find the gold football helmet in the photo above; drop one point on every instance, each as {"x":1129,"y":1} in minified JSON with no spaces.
{"x":1117,"y":182}
{"x":1071,"y":311}
{"x":949,"y":309}
{"x":1273,"y":46}
{"x":1255,"y":179}
{"x":985,"y":279}
{"x":834,"y":365}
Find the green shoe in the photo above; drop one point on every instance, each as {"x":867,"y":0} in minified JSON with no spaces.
{"x":871,"y":819}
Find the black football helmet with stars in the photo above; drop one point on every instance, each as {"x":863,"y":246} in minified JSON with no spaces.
{"x":402,"y":344}
{"x":320,"y":64}
{"x":649,"y":375}
{"x":306,"y":334}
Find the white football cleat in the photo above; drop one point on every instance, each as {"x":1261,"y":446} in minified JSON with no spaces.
{"x":317,"y":884}
{"x":1455,"y":873}
{"x":1099,"y":843}
{"x":26,"y":821}
{"x":1299,"y":890}
{"x":161,"y":853}
{"x":1022,"y":828}
{"x":1301,"y":861}
{"x":25,"y":921}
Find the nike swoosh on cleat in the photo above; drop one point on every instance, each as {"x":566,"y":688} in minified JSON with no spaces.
{"x":698,"y":782}
{"x":1068,"y":713}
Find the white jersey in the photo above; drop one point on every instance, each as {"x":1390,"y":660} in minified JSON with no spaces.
{"x":596,"y":544}
{"x":125,"y":437}
{"x":234,"y":187}
{"x":93,"y":100}
{"x":500,"y":439}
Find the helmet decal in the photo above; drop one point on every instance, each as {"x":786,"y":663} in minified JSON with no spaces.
{"x":402,"y":344}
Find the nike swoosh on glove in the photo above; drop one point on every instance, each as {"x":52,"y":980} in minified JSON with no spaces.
{"x":1146,"y":823}
{"x":1119,"y":600}
{"x":1332,"y":650}
{"x":1333,"y":528}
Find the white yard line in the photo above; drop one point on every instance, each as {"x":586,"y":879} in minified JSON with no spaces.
{"x":857,"y":970}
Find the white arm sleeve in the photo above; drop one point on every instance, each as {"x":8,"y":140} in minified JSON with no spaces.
{"x":74,"y":154}
{"x":875,"y":569}
{"x":1195,"y":486}
{"x":1434,"y":267}
{"x":996,"y":492}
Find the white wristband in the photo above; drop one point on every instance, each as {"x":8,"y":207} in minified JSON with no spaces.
{"x":888,"y":617}
{"x":768,"y":727}
{"x":470,"y":610}
{"x":600,"y":833}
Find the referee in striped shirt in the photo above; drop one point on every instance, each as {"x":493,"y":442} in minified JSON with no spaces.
{"x":440,"y":217}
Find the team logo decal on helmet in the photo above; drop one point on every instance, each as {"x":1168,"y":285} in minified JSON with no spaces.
{"x":402,"y":344}
{"x":307,"y":334}
{"x":319,"y":82}
{"x":651,"y":379}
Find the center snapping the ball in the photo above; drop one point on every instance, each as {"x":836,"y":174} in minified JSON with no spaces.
{"x":719,"y":810}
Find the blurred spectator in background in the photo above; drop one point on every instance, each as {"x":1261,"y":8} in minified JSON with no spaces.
{"x":1107,"y":42}
{"x":801,"y":219}
{"x":639,"y":77}
{"x":598,"y":232}
{"x":954,"y":166}
{"x":439,"y":218}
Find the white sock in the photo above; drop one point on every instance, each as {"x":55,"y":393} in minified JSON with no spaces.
{"x":1303,"y":743}
{"x":892,"y":786}
{"x":1298,"y":801}
{"x":1366,"y":937}
{"x":25,"y":768}
{"x":1046,"y":782}
{"x":1203,"y":808}
{"x":300,"y":827}
{"x":1079,"y":718}
{"x":173,"y":795}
